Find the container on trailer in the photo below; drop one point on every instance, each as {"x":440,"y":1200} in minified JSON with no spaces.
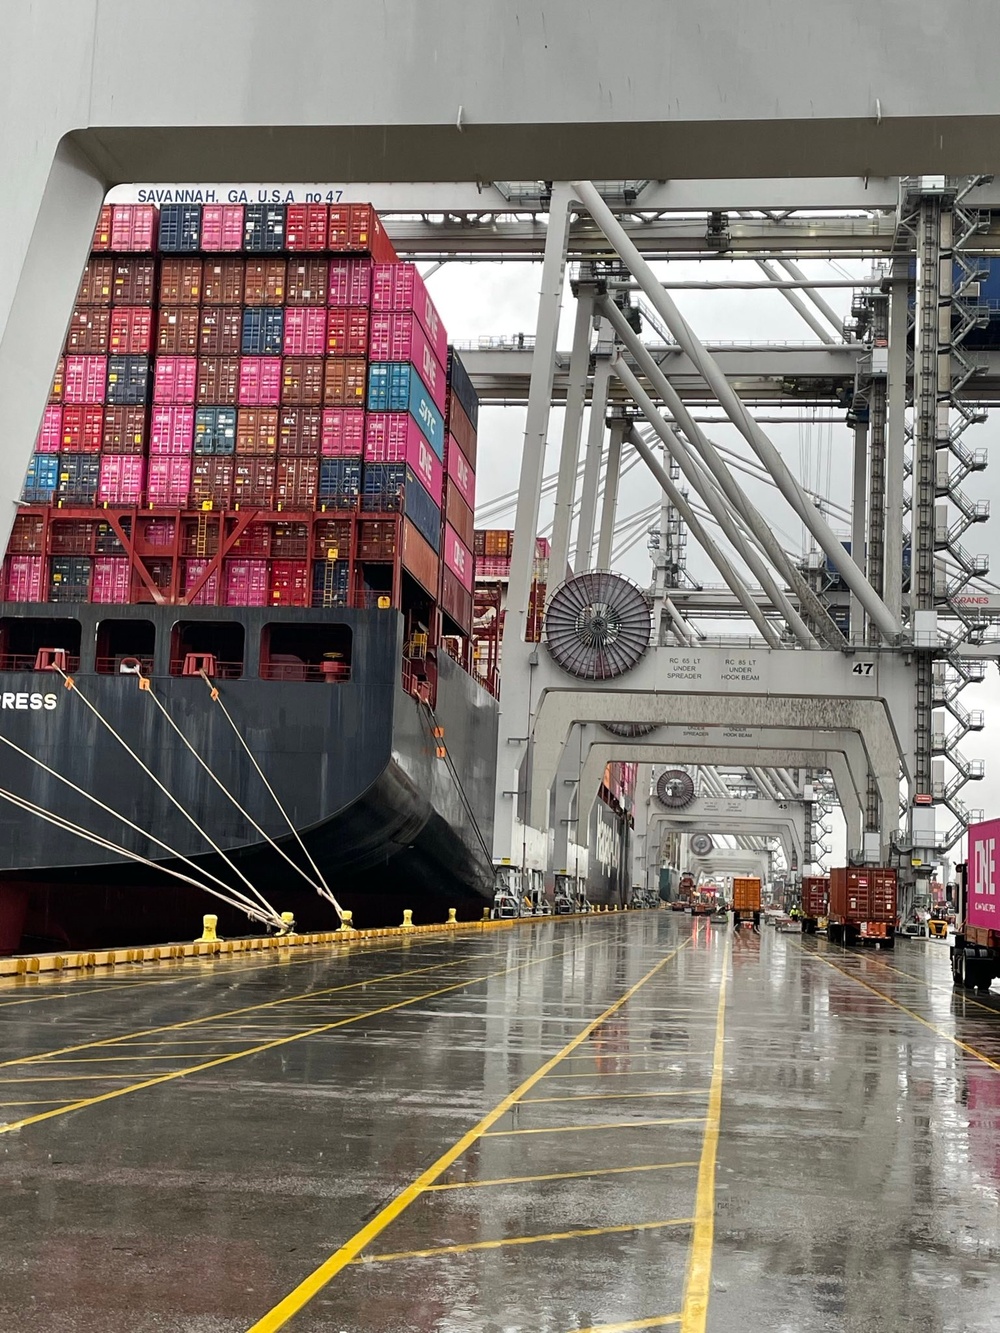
{"x":395,"y":386}
{"x":299,"y":432}
{"x":85,"y":379}
{"x":24,"y":578}
{"x":264,"y":227}
{"x":257,"y":430}
{"x":302,"y":381}
{"x":746,"y":893}
{"x":122,"y":478}
{"x":306,"y":227}
{"x":180,"y":227}
{"x":458,"y":558}
{"x":131,"y":330}
{"x":461,"y":473}
{"x":49,"y":438}
{"x":863,"y":893}
{"x":400,"y":287}
{"x":133,"y":227}
{"x":397,"y":335}
{"x":89,"y":330}
{"x":124,"y":430}
{"x":220,"y":330}
{"x":305,"y":331}
{"x":169,"y":481}
{"x":181,"y":281}
{"x":815,"y":896}
{"x":456,"y":601}
{"x":260,"y":381}
{"x":419,"y":558}
{"x":253,"y":482}
{"x":263,"y":331}
{"x":222,"y":227}
{"x":178,"y":330}
{"x":307,"y":280}
{"x":342,"y":433}
{"x":215,"y":430}
{"x":82,"y":428}
{"x":218,"y":380}
{"x":245,"y":582}
{"x":982,"y":901}
{"x":98,"y":281}
{"x":350,"y":282}
{"x":224,"y":282}
{"x":112,"y":581}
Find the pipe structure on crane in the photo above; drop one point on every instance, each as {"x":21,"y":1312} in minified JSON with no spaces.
{"x":796,"y":302}
{"x":708,"y":367}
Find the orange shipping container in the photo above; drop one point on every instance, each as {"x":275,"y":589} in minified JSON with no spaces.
{"x":746,"y":893}
{"x":419,"y":558}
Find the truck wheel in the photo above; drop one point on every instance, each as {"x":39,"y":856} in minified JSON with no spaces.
{"x":963,"y":972}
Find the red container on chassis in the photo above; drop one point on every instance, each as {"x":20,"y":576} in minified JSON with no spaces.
{"x":121,"y":482}
{"x":134,"y":227}
{"x":220,"y":330}
{"x":359,"y":227}
{"x":462,"y":430}
{"x":253,"y":482}
{"x":418,"y":558}
{"x":169,"y":482}
{"x":397,"y":335}
{"x":112,"y":581}
{"x":815,"y":895}
{"x":175,"y":379}
{"x":296,"y":483}
{"x":246,"y":582}
{"x":459,"y":515}
{"x":218,"y":381}
{"x":223,"y":281}
{"x":306,"y":281}
{"x":299,"y":430}
{"x":342,"y":433}
{"x":85,"y":379}
{"x":82,"y":428}
{"x":264,"y":281}
{"x":400,"y":287}
{"x":302,"y":379}
{"x":102,"y":232}
{"x":306,"y":227}
{"x":289,"y":584}
{"x":124,"y":430}
{"x":257,"y":430}
{"x":89,"y":330}
{"x":305,"y":331}
{"x":982,"y":898}
{"x":49,"y":437}
{"x":461,"y":473}
{"x":212,"y":483}
{"x":208,"y":594}
{"x":24,"y":578}
{"x":458,"y":558}
{"x":222,"y":227}
{"x":350,"y":282}
{"x":345,"y":381}
{"x":260,"y":381}
{"x":860,"y":894}
{"x":97,"y":283}
{"x":134,"y":282}
{"x":347,"y":331}
{"x":131,"y":330}
{"x":456,"y":602}
{"x":394,"y":437}
{"x":182,"y":281}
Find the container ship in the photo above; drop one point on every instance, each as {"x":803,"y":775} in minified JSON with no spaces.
{"x":238,"y":663}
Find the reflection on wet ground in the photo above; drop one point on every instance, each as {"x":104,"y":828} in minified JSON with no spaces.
{"x":622,"y":1123}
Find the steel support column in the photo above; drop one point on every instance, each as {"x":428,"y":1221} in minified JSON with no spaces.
{"x":586,"y":531}
{"x":859,"y":516}
{"x":896,"y":438}
{"x":609,"y":509}
{"x":569,"y":453}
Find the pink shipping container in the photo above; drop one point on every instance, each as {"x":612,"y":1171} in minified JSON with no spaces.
{"x":458,"y":557}
{"x":131,"y":330}
{"x":121,"y":481}
{"x":260,"y":381}
{"x":82,"y":428}
{"x":305,"y":331}
{"x":350,"y":282}
{"x":343,"y":432}
{"x":982,"y":904}
{"x":396,"y":335}
{"x":112,"y":579}
{"x":85,"y":378}
{"x":49,"y":439}
{"x":172,"y":430}
{"x":25,"y":578}
{"x":169,"y":482}
{"x":208,"y":595}
{"x":175,"y":379}
{"x":134,"y":227}
{"x":246,"y":583}
{"x":400,"y":287}
{"x":222,"y":227}
{"x":460,"y":473}
{"x":394,"y":437}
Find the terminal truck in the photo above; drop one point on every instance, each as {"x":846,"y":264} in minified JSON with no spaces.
{"x":862,"y":906}
{"x":975,"y":954}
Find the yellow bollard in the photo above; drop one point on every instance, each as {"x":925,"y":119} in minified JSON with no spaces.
{"x":408,"y":919}
{"x":208,"y":935}
{"x":486,"y":914}
{"x":346,"y":924}
{"x":287,"y":924}
{"x":452,"y":917}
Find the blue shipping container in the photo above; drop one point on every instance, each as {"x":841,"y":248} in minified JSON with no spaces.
{"x":41,"y":479}
{"x":79,"y":475}
{"x":263,"y":331}
{"x":330,"y":583}
{"x":395,"y":386}
{"x":264,"y":227}
{"x":128,"y":379}
{"x":422,"y":512}
{"x":215,"y":430}
{"x":340,"y":481}
{"x":180,"y":227}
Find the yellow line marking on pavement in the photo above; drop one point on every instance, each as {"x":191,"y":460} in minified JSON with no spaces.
{"x":632,"y":1054}
{"x":657,"y":1321}
{"x":697,"y":1283}
{"x":301,"y":1295}
{"x":561,"y":1175}
{"x":911,"y":1013}
{"x":67,"y":1078}
{"x":616,"y":1096}
{"x":616,"y":1073}
{"x":45,"y":1101}
{"x":522,"y":1240}
{"x":613,"y":1124}
{"x":958,"y":991}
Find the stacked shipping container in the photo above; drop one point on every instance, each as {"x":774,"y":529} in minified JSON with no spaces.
{"x":227,"y":358}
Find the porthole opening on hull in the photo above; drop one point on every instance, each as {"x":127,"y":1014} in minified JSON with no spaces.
{"x":216,"y":647}
{"x":306,"y":652}
{"x":42,"y":644}
{"x":125,"y":647}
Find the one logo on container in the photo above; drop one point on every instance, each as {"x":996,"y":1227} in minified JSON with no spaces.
{"x":458,"y":557}
{"x":425,"y":465}
{"x":984,"y":883}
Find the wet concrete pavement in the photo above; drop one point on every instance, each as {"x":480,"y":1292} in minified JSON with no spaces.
{"x":615,"y":1123}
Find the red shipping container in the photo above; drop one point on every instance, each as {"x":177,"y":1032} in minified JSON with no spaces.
{"x":181,"y":281}
{"x":212,"y":483}
{"x":223,"y":282}
{"x":134,"y":226}
{"x":24,"y":579}
{"x":302,"y":381}
{"x":863,"y":893}
{"x":218,"y":381}
{"x":350,"y":282}
{"x":290,"y":583}
{"x":394,"y":437}
{"x":306,"y":281}
{"x":260,"y":381}
{"x":134,"y":282}
{"x":456,"y":602}
{"x":175,"y":379}
{"x":257,"y":430}
{"x":131,"y":330}
{"x":49,"y":438}
{"x":27,"y":536}
{"x":220,"y":331}
{"x":222,"y":227}
{"x":172,"y":431}
{"x":124,"y":430}
{"x":458,"y":558}
{"x":97,"y":283}
{"x":299,"y":431}
{"x":359,"y":227}
{"x":815,"y":892}
{"x":396,"y":335}
{"x":58,"y":388}
{"x":89,"y":328}
{"x":343,"y":432}
{"x":112,"y":580}
{"x":345,"y":382}
{"x":102,"y":232}
{"x":246,"y":583}
{"x":305,"y":331}
{"x":264,"y":281}
{"x":458,"y":514}
{"x":169,"y":481}
{"x":82,"y":429}
{"x":347,"y":331}
{"x":122,"y":479}
{"x":86,"y":377}
{"x":297,"y":483}
{"x":253,"y":482}
{"x":400,"y":287}
{"x":305,"y":227}
{"x":419,"y":559}
{"x":462,"y":429}
{"x":461,"y":474}
{"x":178,"y":330}
{"x":209,"y":592}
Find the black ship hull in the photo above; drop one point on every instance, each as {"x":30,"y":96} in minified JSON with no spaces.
{"x":390,"y":821}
